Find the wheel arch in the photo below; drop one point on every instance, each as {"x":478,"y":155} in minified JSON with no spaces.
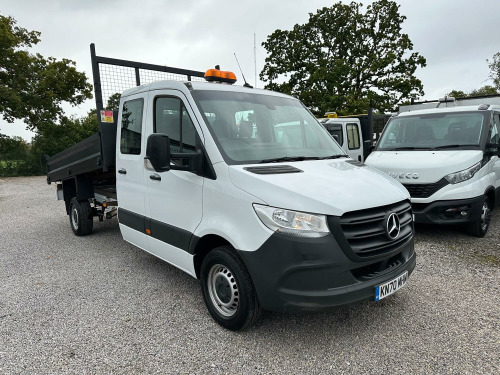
{"x":491,"y":194}
{"x":203,"y":246}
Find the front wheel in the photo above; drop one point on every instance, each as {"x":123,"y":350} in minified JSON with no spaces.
{"x":480,"y":226}
{"x":228,"y":291}
{"x":80,"y":217}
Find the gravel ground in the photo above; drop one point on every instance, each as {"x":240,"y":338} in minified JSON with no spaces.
{"x":97,"y":305}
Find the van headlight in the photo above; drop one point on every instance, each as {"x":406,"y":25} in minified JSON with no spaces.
{"x":466,"y":174}
{"x":294,"y":223}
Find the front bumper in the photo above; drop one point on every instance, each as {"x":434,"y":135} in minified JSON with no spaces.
{"x":448,"y":212}
{"x":298,"y":274}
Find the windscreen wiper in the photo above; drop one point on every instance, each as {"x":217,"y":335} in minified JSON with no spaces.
{"x":451,"y":146}
{"x":284,"y":158}
{"x":333,"y":156}
{"x":407,"y":148}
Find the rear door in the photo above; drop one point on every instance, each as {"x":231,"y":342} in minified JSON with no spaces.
{"x":175,"y":197}
{"x":130,"y":182}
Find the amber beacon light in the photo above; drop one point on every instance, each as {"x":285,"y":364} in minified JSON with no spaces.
{"x":216,"y":75}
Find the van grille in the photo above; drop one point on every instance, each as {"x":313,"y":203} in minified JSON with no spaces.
{"x":425,"y":190}
{"x":365,"y":231}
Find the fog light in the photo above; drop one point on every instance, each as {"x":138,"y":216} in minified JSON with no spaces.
{"x":457,"y":212}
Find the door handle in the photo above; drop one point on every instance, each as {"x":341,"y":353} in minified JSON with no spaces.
{"x":122,"y":171}
{"x":155,"y":177}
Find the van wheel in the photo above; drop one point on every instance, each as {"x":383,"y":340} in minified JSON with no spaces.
{"x":479,"y":227}
{"x":80,"y":217}
{"x":228,"y":291}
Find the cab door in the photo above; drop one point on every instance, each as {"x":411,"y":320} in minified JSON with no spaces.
{"x":354,"y":141}
{"x":175,"y":197}
{"x":130,"y":184}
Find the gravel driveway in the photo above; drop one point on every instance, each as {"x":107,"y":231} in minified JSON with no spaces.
{"x":97,"y":305}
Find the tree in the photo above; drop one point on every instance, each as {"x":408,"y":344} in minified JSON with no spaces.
{"x":114,"y":102}
{"x":485,"y":90}
{"x":32,"y":87}
{"x":343,"y":59}
{"x":494,"y":66}
{"x":52,"y":138}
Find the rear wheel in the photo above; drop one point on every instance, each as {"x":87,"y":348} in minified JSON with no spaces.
{"x":80,"y":217}
{"x":480,"y":226}
{"x":228,"y":291}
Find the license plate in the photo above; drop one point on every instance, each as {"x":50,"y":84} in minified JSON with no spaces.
{"x":391,"y":286}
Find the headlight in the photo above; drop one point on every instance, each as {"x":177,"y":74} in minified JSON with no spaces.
{"x":466,"y":174}
{"x":293,"y":223}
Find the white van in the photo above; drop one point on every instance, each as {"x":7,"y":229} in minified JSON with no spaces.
{"x":347,"y":132}
{"x":244,"y":190}
{"x":445,"y":153}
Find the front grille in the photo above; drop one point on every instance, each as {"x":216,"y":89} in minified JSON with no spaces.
{"x":365,"y":231}
{"x":425,"y":190}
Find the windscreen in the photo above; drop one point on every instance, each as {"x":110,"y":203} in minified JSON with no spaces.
{"x":433,"y":131}
{"x":253,"y":128}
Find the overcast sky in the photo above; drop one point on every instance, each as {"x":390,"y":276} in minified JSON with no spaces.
{"x":455,"y":36}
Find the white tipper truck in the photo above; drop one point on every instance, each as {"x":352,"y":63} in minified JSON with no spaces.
{"x":240,"y":188}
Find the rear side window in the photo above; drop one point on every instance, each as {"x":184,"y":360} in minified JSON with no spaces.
{"x":130,"y":138}
{"x":352,"y":136}
{"x":172,"y":119}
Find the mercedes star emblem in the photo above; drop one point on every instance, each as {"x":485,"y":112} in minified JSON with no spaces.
{"x":393,"y":226}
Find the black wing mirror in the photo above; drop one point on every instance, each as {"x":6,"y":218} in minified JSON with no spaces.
{"x":158,"y":152}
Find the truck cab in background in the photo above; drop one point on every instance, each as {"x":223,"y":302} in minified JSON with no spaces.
{"x":445,"y":153}
{"x":354,"y":133}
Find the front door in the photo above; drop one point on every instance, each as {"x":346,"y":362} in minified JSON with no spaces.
{"x":130,"y":185}
{"x":175,"y":197}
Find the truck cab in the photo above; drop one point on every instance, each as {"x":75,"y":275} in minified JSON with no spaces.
{"x":347,"y":132}
{"x":445,"y":153}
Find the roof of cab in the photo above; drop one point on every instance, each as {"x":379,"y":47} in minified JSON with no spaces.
{"x":468,"y":108}
{"x":181,"y":86}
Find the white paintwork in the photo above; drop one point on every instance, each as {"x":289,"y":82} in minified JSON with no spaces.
{"x":223,"y":206}
{"x":356,"y":154}
{"x":130,"y":189}
{"x":432,"y":166}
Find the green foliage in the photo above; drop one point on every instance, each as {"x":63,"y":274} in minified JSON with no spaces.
{"x":343,"y":59}
{"x":114,"y":102}
{"x":18,"y":158}
{"x":485,"y":90}
{"x":32,"y":87}
{"x":54,"y":138}
{"x":494,"y":66}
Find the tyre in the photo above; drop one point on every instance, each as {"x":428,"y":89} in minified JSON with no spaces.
{"x":228,"y":291}
{"x":480,"y":226}
{"x":80,"y":217}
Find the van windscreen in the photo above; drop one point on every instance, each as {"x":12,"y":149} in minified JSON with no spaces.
{"x":252,"y":128}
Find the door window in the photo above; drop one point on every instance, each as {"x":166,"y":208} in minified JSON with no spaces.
{"x":172,"y":119}
{"x":494,"y":137}
{"x":352,"y":136}
{"x":131,"y":130}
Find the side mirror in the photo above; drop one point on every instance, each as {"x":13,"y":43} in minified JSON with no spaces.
{"x":158,"y":152}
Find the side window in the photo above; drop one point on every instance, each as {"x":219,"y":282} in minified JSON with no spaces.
{"x":494,"y":137}
{"x":172,"y":118}
{"x":352,"y":136}
{"x":130,"y":138}
{"x":336,"y":130}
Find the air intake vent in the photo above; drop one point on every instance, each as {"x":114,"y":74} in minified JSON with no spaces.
{"x":273,"y":169}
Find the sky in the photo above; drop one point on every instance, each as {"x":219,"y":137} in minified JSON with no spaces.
{"x":455,"y":36}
